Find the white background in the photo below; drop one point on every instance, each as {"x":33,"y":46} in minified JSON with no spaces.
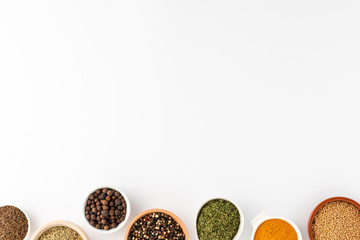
{"x":175,"y":102}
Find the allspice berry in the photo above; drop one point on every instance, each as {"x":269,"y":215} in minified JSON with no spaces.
{"x":105,"y":208}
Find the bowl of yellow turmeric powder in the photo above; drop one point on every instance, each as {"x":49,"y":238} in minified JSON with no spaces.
{"x":270,"y":227}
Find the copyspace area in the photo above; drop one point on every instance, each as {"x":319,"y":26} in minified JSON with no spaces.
{"x":176,"y":102}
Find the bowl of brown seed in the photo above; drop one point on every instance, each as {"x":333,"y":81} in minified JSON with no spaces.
{"x":106,"y":209}
{"x":156,"y":224}
{"x":59,"y":230}
{"x":335,"y":218}
{"x":14,"y":223}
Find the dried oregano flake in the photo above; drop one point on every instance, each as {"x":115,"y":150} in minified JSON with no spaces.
{"x":60,"y":233}
{"x":219,"y":219}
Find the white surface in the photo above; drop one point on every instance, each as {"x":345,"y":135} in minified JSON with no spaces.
{"x":176,"y":102}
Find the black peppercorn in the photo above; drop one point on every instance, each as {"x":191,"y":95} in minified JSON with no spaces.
{"x":155,"y":226}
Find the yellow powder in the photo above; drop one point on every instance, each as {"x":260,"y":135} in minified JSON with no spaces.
{"x":275,"y":229}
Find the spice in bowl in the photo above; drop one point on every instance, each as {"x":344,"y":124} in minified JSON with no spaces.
{"x":275,"y":229}
{"x":105,"y":208}
{"x":154,"y":226}
{"x":336,"y":220}
{"x":14,"y":224}
{"x":218,"y":219}
{"x":60,"y":232}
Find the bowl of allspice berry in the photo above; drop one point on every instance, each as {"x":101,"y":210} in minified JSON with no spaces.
{"x":106,"y":209}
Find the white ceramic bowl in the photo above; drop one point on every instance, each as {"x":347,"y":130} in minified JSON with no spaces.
{"x":122,"y":224}
{"x":242,"y":220}
{"x":27,"y":218}
{"x":58,"y":223}
{"x":262,"y":217}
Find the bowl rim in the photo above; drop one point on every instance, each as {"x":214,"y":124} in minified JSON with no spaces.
{"x":321,"y":204}
{"x":242,"y":218}
{"x":266,"y":217}
{"x":176,"y":218}
{"x":56,"y":223}
{"x":122,"y":224}
{"x":26,"y":215}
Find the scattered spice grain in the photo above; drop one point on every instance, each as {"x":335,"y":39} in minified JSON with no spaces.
{"x":13,"y":223}
{"x":156,"y":226}
{"x":218,"y":219}
{"x":275,"y":229}
{"x":337,"y":220}
{"x":60,"y":233}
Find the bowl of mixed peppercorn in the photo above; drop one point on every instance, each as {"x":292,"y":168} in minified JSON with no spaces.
{"x":156,"y":224}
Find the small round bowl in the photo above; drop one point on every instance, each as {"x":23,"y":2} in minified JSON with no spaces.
{"x":242,"y":219}
{"x":176,"y":218}
{"x":262,"y":217}
{"x":122,"y":224}
{"x":58,"y":223}
{"x":316,"y":209}
{"x":27,"y":218}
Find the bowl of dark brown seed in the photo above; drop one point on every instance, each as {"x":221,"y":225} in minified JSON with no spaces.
{"x":14,"y":223}
{"x":335,"y":218}
{"x":59,"y":229}
{"x":107,"y":209}
{"x":156,"y":224}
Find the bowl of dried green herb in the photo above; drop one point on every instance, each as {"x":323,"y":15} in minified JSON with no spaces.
{"x":219,"y":219}
{"x":59,"y":230}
